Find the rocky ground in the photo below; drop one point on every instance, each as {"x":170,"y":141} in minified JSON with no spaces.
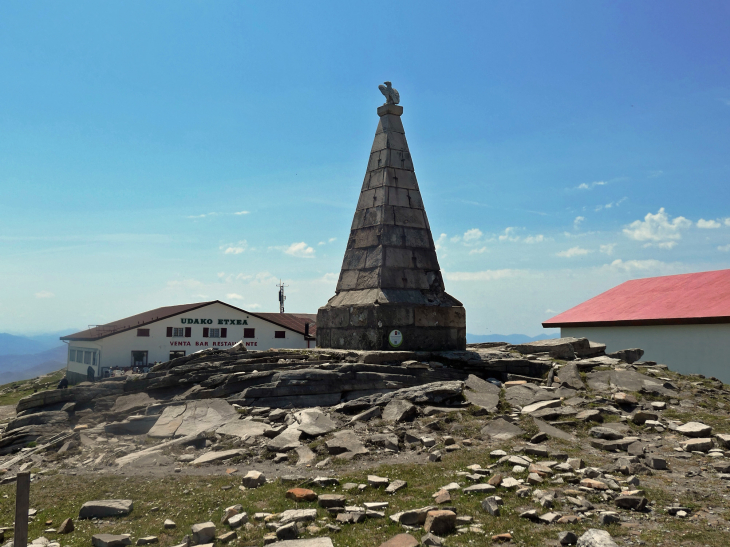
{"x":537,"y":444}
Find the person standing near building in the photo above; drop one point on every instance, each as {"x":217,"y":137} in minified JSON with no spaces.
{"x":90,"y":373}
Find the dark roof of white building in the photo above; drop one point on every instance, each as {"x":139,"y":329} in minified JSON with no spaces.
{"x":292,"y":321}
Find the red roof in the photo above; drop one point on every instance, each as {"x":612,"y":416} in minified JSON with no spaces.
{"x":291,"y":321}
{"x":669,"y":300}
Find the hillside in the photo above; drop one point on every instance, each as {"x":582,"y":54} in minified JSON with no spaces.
{"x":509,"y":338}
{"x":21,"y":367}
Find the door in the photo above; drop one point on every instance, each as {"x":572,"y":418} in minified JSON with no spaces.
{"x":139,"y":359}
{"x":176,"y":354}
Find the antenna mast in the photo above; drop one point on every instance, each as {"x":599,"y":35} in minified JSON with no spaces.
{"x":281,"y":296}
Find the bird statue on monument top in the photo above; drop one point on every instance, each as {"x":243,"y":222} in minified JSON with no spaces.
{"x":391,"y":94}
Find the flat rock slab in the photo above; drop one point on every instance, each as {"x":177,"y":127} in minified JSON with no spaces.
{"x":192,"y":418}
{"x":501,"y":429}
{"x":482,"y":386}
{"x":105,"y":508}
{"x":7,"y":413}
{"x":218,"y":456}
{"x":314,"y":542}
{"x":286,"y":440}
{"x":244,"y":429}
{"x":314,"y":422}
{"x":128,"y":404}
{"x":553,"y":431}
{"x":345,"y":441}
{"x":483,"y":399}
{"x":526,"y":394}
{"x":625,"y":380}
{"x":401,"y":540}
{"x":596,"y":538}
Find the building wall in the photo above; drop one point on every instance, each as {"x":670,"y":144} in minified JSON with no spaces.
{"x":700,"y":349}
{"x":116,"y":350}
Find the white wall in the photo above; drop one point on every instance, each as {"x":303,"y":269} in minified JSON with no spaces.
{"x":116,"y":350}
{"x":698,"y":349}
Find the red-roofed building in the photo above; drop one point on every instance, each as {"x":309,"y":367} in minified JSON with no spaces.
{"x":682,"y":321}
{"x":175,"y":331}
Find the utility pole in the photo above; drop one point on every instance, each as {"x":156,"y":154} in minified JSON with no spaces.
{"x":281,"y":296}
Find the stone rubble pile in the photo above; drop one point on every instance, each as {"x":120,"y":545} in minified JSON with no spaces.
{"x":253,"y":410}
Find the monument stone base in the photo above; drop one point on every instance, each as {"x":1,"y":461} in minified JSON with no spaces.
{"x":392,"y":327}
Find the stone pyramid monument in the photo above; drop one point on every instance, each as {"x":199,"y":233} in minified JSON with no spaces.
{"x":390,"y":293}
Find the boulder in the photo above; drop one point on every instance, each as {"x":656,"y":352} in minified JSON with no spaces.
{"x":399,"y":410}
{"x":345,"y":442}
{"x":697,"y":445}
{"x":105,"y":508}
{"x":67,"y":526}
{"x":253,"y":479}
{"x":596,"y":538}
{"x":570,"y":376}
{"x":203,"y":532}
{"x":301,"y":494}
{"x":286,"y":440}
{"x":440,"y":522}
{"x":297,"y":515}
{"x":110,"y":540}
{"x":695,"y":429}
{"x":314,"y":422}
{"x":629,"y":355}
{"x":192,"y":418}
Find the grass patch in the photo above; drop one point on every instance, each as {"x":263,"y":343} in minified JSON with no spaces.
{"x":13,"y":392}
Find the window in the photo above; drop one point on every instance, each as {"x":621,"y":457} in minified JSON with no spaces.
{"x":279,"y":334}
{"x":176,"y":354}
{"x":79,"y":356}
{"x":214,"y":333}
{"x":249,"y":333}
{"x":143,"y":332}
{"x":72,"y":355}
{"x":139,"y":359}
{"x":87,"y":357}
{"x":178,"y":333}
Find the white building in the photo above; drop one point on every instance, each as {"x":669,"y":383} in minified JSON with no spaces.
{"x":175,"y":331}
{"x":682,"y":321}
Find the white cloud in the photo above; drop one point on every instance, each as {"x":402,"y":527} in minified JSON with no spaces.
{"x":708,"y":224}
{"x":478,"y":251}
{"x":724,"y":248}
{"x":657,"y":230}
{"x":573,"y":251}
{"x":253,"y":306}
{"x":607,"y":248}
{"x":439,"y":243}
{"x":234,"y":248}
{"x":234,"y":296}
{"x":241,"y":213}
{"x":472,"y":235}
{"x":550,"y":311}
{"x":655,"y":174}
{"x":300,"y":250}
{"x":539,"y":238}
{"x":44,"y":294}
{"x":486,"y":275}
{"x":577,"y":222}
{"x":727,"y":221}
{"x":330,"y":240}
{"x":589,"y":186}
{"x":509,"y":234}
{"x":330,"y":277}
{"x":637,"y":265}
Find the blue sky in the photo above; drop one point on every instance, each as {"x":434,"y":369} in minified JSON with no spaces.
{"x":169,"y":152}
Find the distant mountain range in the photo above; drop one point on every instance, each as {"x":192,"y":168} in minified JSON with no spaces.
{"x":11,"y":344}
{"x":509,"y":338}
{"x":23,"y":357}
